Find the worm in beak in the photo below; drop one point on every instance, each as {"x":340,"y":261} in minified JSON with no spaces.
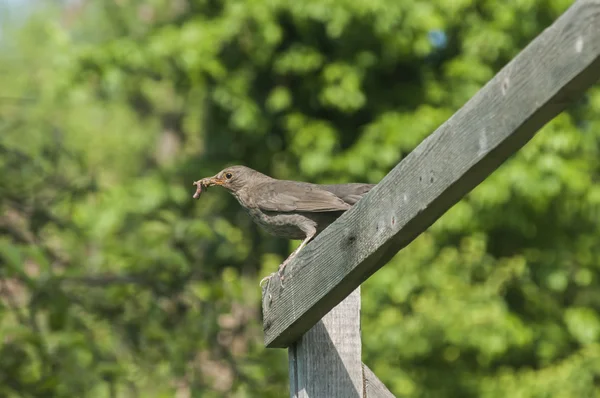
{"x":203,"y":184}
{"x":198,"y":192}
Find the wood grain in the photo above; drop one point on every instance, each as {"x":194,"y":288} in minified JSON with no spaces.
{"x":374,"y":388}
{"x":326,"y":361}
{"x":533,"y":88}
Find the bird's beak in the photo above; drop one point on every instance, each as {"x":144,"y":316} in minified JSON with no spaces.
{"x":205,"y":183}
{"x":212,"y":181}
{"x":209,"y":182}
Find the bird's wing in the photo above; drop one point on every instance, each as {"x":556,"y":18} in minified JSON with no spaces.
{"x":349,"y":193}
{"x":290,"y":196}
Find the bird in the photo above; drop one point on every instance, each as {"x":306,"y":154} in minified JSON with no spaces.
{"x":287,"y":209}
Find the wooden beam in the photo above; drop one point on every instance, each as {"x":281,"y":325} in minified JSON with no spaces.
{"x":326,"y":361}
{"x":374,"y":388}
{"x":532,"y":89}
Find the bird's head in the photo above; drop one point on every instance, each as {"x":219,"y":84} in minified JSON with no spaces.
{"x":232,"y":178}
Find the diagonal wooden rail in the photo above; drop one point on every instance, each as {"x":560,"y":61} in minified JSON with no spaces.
{"x":552,"y":71}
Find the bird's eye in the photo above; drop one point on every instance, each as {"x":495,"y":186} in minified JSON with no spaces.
{"x":228,"y":176}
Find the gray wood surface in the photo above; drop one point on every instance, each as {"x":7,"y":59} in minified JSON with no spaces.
{"x":326,"y":361}
{"x":374,"y":388}
{"x":534,"y":87}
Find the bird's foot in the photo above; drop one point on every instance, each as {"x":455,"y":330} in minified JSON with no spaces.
{"x":280,"y":270}
{"x":266,"y":279}
{"x":279,"y":273}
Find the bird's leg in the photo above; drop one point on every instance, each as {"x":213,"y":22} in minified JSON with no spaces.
{"x":294,"y":253}
{"x":287,"y":260}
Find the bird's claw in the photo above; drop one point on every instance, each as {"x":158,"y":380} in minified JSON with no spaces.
{"x":268,"y":278}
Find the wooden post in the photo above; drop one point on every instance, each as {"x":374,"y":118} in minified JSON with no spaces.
{"x":374,"y":388}
{"x":326,"y":361}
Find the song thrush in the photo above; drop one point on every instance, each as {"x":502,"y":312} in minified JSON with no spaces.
{"x":287,"y":209}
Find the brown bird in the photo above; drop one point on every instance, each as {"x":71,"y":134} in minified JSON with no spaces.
{"x":287,"y":209}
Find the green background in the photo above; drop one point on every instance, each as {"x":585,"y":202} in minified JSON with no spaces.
{"x":115,"y":283}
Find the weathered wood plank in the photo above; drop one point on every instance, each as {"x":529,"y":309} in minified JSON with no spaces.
{"x":528,"y":92}
{"x":326,"y":361}
{"x":374,"y":388}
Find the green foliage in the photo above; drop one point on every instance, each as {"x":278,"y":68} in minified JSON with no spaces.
{"x":114,"y":283}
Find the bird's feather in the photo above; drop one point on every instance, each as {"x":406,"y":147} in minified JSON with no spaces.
{"x":349,"y":193}
{"x":289,"y":196}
